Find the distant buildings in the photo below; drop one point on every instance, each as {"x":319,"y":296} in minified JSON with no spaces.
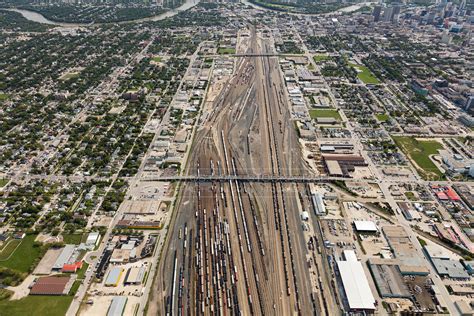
{"x":418,"y":88}
{"x":469,"y":107}
{"x":457,"y":164}
{"x":376,"y":13}
{"x":388,"y":14}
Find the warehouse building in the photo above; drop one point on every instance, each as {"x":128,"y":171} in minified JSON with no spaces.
{"x":450,"y":268}
{"x":117,"y":306}
{"x":52,"y":286}
{"x":404,"y":251}
{"x":113,"y":278}
{"x":318,"y":204}
{"x":365,"y":227}
{"x":388,"y":279}
{"x":444,"y":265}
{"x":92,"y":239}
{"x":355,"y":283}
{"x":134,"y":276}
{"x":346,"y":163}
{"x":67,"y":256}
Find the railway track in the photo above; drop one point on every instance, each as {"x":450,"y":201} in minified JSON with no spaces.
{"x":233,"y":252}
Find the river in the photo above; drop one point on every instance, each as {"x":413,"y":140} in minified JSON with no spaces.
{"x":38,"y":17}
{"x":350,"y":8}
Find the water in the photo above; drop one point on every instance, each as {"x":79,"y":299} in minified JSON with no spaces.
{"x":350,"y":8}
{"x":38,"y":17}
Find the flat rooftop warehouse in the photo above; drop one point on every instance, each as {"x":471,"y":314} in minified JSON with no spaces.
{"x":365,"y":226}
{"x":51,"y":286}
{"x":117,"y":306}
{"x":113,"y":277}
{"x":450,"y":268}
{"x":356,"y":287}
{"x":388,"y":279}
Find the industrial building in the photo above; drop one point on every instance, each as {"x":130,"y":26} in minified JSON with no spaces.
{"x":318,"y":204}
{"x":67,"y":256}
{"x":365,"y":227}
{"x":117,"y":306}
{"x":463,"y":308}
{"x":408,"y":212}
{"x":410,"y":263}
{"x":342,"y":165}
{"x":355,"y":283}
{"x":93,"y":239}
{"x":388,"y":279}
{"x":134,"y":276}
{"x":52,"y":285}
{"x":113,"y":278}
{"x":444,"y":265}
{"x":450,"y":268}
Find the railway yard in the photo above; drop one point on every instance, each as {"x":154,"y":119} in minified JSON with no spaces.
{"x":235,"y":245}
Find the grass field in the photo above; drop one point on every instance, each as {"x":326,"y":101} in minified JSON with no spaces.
{"x":419,"y":152}
{"x":324,"y":113}
{"x":37,"y":305}
{"x":70,"y":75}
{"x":365,"y":75}
{"x":382,"y":117}
{"x":320,"y":58}
{"x":24,"y":256}
{"x":157,"y":59}
{"x":82,"y":271}
{"x":226,"y":51}
{"x":74,"y":239}
{"x":3,"y":96}
{"x":8,"y":248}
{"x":75,"y":286}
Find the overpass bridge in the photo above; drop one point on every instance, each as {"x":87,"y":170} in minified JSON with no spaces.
{"x":246,"y":178}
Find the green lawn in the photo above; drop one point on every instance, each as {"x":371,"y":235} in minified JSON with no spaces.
{"x":3,"y":182}
{"x":75,"y":286}
{"x":3,"y":96}
{"x":365,"y":75}
{"x":419,"y":151}
{"x":74,"y":239}
{"x":37,"y":305}
{"x":8,"y":248}
{"x":24,"y":256}
{"x":82,"y":271}
{"x":324,"y":113}
{"x":410,"y":195}
{"x":320,"y":58}
{"x":157,"y":59}
{"x":226,"y":51}
{"x":382,"y":117}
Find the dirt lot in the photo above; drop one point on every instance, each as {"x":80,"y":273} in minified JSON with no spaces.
{"x":45,"y":265}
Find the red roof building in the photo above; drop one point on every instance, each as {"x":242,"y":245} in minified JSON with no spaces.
{"x":72,"y":268}
{"x":442,"y":196}
{"x":453,"y":196}
{"x":51,"y":286}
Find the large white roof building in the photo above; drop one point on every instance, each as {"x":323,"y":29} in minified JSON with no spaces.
{"x":356,"y":286}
